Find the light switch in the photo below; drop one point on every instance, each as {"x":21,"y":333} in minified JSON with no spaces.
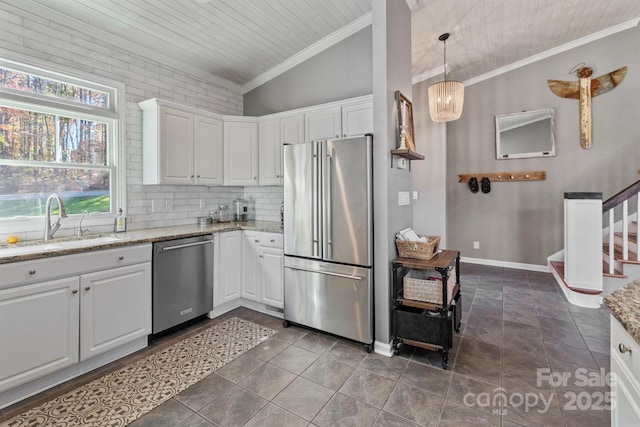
{"x":415,"y":195}
{"x":403,"y":198}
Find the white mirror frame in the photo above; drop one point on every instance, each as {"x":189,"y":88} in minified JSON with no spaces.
{"x":515,"y":121}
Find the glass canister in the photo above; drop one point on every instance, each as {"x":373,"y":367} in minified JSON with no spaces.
{"x":224,"y":215}
{"x":240,"y":209}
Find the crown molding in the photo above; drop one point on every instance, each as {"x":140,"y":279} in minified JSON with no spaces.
{"x":428,"y":74}
{"x":309,"y":52}
{"x":556,"y":50}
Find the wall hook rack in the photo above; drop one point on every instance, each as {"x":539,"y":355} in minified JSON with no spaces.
{"x":506,"y":176}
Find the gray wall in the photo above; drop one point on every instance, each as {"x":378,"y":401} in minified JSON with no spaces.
{"x":522,"y":222}
{"x":392,"y":71}
{"x":339,"y":72}
{"x":429,"y":175}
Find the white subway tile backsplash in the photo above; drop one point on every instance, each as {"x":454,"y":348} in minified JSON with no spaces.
{"x":147,"y":206}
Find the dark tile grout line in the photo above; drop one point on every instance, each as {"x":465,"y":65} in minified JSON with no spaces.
{"x":409,"y":358}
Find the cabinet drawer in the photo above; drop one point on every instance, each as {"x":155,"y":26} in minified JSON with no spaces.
{"x":271,"y":240}
{"x":630,"y":359}
{"x":25,"y":272}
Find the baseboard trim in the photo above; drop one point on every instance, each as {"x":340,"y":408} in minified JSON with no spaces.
{"x":384,"y":349}
{"x":506,"y":264}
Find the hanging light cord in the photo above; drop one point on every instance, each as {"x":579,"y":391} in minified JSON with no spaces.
{"x":443,"y":38}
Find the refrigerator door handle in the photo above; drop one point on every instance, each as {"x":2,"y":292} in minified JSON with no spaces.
{"x":328,"y":273}
{"x":316,"y":215}
{"x":329,"y":213}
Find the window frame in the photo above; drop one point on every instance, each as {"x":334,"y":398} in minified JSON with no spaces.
{"x":114,"y":117}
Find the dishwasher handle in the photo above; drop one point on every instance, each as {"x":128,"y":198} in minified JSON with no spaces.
{"x":186,"y":245}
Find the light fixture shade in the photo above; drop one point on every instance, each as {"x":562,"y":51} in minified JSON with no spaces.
{"x":446,"y":100}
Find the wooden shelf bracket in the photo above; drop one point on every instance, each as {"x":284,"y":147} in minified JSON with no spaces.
{"x":506,"y":176}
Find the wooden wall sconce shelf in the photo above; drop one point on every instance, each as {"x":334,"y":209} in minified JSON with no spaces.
{"x":506,"y":176}
{"x":408,"y":154}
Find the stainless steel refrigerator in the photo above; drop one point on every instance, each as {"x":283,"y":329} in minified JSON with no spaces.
{"x":328,"y":237}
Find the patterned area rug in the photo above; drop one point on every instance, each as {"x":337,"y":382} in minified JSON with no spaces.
{"x":121,"y":397}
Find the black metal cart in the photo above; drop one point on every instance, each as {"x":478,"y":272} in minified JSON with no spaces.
{"x":425,"y":324}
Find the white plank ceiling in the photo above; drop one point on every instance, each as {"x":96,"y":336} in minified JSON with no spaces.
{"x":240,"y":40}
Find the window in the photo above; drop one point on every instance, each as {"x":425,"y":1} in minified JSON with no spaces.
{"x":57,"y":135}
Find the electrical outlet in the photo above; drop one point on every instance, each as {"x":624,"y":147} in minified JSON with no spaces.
{"x":415,"y":195}
{"x":169,"y":205}
{"x":476,"y":245}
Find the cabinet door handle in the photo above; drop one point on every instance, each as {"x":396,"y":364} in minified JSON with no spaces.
{"x":120,"y":258}
{"x":32,"y":272}
{"x":257,"y":241}
{"x":272,"y":241}
{"x":75,"y":291}
{"x":624,"y":349}
{"x":87,"y":288}
{"x":260,"y":255}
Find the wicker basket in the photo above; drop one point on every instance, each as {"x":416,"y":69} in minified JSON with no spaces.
{"x":418,"y":250}
{"x":426,"y":286}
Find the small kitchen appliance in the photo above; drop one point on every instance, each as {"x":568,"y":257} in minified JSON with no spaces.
{"x":240,"y":209}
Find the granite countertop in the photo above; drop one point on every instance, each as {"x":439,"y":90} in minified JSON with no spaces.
{"x":624,"y":304}
{"x":73,"y":245}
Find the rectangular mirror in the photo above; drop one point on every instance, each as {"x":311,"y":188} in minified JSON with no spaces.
{"x":526,"y":134}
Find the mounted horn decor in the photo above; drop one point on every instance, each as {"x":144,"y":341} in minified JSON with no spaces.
{"x":584,"y":90}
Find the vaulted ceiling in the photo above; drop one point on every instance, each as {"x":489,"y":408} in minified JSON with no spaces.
{"x":240,"y":40}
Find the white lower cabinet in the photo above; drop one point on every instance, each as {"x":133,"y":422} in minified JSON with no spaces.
{"x":39,"y":332}
{"x":115,"y":308}
{"x":229,"y":266}
{"x":57,"y":313}
{"x":262,"y":263}
{"x":271,"y":279}
{"x":625,"y":373}
{"x":251,"y":266}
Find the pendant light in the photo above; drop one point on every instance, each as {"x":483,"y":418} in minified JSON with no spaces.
{"x":446,"y":98}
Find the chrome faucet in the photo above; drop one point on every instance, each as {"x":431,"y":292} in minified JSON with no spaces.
{"x":82,"y":231}
{"x":49,"y":229}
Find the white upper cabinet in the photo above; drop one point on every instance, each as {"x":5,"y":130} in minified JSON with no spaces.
{"x":270,"y":153}
{"x":181,"y":146}
{"x":175,"y":150}
{"x":208,"y":159}
{"x":357,"y":119}
{"x":240,"y":151}
{"x":292,"y":129}
{"x":323,"y":123}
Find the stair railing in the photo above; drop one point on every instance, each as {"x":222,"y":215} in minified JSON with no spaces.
{"x":621,"y":199}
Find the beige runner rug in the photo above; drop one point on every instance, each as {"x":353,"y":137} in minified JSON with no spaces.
{"x":122,"y":396}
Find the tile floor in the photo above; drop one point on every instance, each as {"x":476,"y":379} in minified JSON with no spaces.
{"x":524,"y":357}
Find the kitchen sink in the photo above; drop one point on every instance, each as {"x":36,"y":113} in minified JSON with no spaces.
{"x":35,"y":246}
{"x":29,"y":249}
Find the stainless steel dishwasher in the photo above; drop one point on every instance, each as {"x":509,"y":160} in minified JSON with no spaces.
{"x":182,"y":281}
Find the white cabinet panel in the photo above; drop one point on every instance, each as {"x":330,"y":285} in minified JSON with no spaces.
{"x":357,"y":120}
{"x":208,"y":149}
{"x":270,"y":153}
{"x":250,"y":266}
{"x":323,"y":123}
{"x":229,"y":267}
{"x":292,"y":129}
{"x":181,"y":145}
{"x":625,"y":372}
{"x":271,"y":283}
{"x":39,"y":332}
{"x":241,"y":152}
{"x":176,"y":145}
{"x":115,"y":308}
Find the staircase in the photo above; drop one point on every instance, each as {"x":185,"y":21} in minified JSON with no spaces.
{"x":620,"y":258}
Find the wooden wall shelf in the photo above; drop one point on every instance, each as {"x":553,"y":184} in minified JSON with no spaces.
{"x":408,"y":154}
{"x":505,"y":176}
